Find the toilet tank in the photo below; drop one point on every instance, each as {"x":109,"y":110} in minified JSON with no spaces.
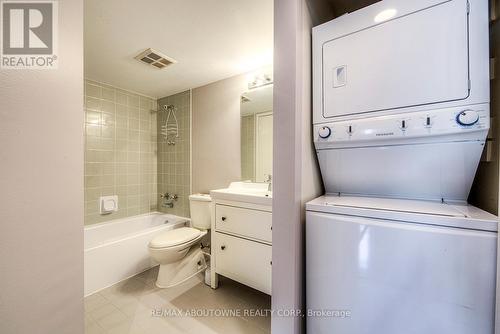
{"x":200,"y":206}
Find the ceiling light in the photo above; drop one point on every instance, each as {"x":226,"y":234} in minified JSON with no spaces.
{"x":385,"y":15}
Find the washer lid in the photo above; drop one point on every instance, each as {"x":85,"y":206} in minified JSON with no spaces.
{"x":398,"y":205}
{"x":175,"y":237}
{"x":407,"y":211}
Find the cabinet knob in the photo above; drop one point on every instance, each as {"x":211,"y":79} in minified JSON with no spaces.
{"x":223,"y":219}
{"x":222,"y":247}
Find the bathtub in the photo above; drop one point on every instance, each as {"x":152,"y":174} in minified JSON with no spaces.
{"x":118,"y":249}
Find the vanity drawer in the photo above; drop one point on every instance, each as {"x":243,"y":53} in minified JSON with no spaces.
{"x":245,"y":261}
{"x":249,"y":223}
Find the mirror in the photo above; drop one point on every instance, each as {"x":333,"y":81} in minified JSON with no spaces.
{"x":257,"y":134}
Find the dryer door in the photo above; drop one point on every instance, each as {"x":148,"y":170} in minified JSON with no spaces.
{"x":413,"y":60}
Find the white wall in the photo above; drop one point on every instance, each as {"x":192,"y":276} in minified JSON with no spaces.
{"x":312,"y":184}
{"x":41,"y":190}
{"x":216,"y":133}
{"x":487,"y":177}
{"x":485,"y":189}
{"x":296,"y":175}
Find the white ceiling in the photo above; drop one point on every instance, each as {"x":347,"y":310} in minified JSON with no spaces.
{"x":210,"y":39}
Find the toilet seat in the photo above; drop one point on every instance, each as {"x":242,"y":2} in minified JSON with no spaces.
{"x":175,"y":237}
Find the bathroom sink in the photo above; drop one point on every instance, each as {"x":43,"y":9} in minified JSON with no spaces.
{"x":248,"y":192}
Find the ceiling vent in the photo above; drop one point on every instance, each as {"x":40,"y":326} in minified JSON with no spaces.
{"x":154,"y":58}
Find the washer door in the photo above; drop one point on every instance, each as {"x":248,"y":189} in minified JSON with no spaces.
{"x":412,"y":60}
{"x":397,"y":277}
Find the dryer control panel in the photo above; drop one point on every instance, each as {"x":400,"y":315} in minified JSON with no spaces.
{"x":422,"y":124}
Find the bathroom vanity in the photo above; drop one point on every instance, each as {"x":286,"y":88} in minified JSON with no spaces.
{"x":242,"y":235}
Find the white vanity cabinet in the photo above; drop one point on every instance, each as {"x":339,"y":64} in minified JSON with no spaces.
{"x":241,"y":243}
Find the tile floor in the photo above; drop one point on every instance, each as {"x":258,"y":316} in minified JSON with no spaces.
{"x":137,"y":306}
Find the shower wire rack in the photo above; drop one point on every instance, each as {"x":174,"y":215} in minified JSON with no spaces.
{"x":170,"y":130}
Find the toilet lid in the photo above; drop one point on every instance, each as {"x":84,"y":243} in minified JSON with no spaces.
{"x":174,"y":237}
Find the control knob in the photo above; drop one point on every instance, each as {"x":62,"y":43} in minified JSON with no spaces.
{"x":325,"y":132}
{"x":468,"y":117}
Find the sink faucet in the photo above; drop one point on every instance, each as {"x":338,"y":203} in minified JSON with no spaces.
{"x":169,"y":199}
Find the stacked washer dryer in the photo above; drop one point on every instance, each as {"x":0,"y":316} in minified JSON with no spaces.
{"x":401,"y":114}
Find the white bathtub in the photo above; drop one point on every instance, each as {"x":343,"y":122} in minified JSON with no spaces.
{"x":118,"y":249}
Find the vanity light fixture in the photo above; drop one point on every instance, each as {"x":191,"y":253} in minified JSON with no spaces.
{"x":260,"y":81}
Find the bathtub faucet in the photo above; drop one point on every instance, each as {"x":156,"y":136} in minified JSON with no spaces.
{"x":169,"y":199}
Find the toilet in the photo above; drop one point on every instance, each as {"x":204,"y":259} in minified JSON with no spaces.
{"x":178,"y":251}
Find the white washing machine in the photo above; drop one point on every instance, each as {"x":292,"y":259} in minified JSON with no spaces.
{"x":399,"y":266}
{"x":401,"y":114}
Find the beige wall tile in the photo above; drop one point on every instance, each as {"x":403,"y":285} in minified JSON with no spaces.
{"x":121,"y":110}
{"x":146,"y":103}
{"x":134,"y":100}
{"x":113,"y":151}
{"x":93,"y":117}
{"x":92,"y":103}
{"x":121,"y":98}
{"x":92,"y":90}
{"x":134,"y":112}
{"x":107,"y":106}
{"x":108,"y":94}
{"x":169,"y":178}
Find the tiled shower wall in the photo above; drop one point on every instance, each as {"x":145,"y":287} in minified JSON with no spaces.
{"x":174,"y":160}
{"x":248,"y":147}
{"x":120,"y":151}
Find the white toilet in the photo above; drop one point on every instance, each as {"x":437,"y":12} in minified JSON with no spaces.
{"x":178,"y":251}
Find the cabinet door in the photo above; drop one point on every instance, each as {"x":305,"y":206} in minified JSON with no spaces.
{"x":254,"y":224}
{"x":245,"y":261}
